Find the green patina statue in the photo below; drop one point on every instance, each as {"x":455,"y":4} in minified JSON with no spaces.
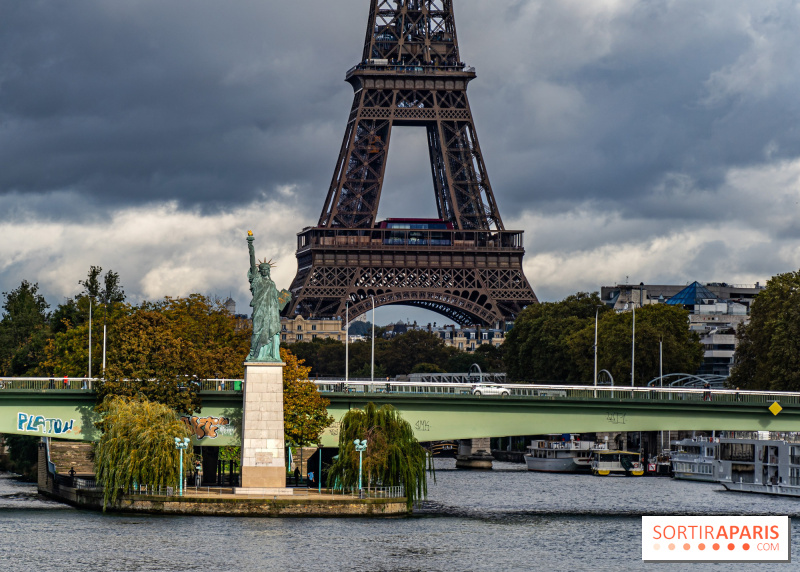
{"x":267,"y":304}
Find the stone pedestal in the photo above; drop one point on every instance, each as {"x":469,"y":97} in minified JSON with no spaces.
{"x":263,"y":470}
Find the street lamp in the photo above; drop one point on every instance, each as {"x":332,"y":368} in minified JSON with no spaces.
{"x":181,"y":446}
{"x":90,"y":336}
{"x":633,"y":342}
{"x":596,"y":314}
{"x":361,"y":446}
{"x":346,"y":343}
{"x":372,"y":371}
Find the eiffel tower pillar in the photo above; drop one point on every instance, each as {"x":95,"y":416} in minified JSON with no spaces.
{"x":464,"y":264}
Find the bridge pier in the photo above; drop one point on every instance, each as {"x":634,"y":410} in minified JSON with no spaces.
{"x":474,"y":454}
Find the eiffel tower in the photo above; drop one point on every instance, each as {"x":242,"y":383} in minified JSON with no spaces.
{"x":465,"y":264}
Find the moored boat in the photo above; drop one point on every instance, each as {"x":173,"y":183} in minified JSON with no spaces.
{"x":693,"y":459}
{"x":606,"y":463}
{"x":769,"y":467}
{"x":567,"y":455}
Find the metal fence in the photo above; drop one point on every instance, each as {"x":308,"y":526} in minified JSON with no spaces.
{"x":506,"y":391}
{"x":89,"y":384}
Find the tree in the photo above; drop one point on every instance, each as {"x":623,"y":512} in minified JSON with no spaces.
{"x":768,"y":354}
{"x":23,"y":454}
{"x":393,"y":457}
{"x":305,"y":411}
{"x":148,"y":359}
{"x":682,"y":350}
{"x":427,"y":368}
{"x":67,"y":352}
{"x":137,"y":446}
{"x":536,"y":348}
{"x":555,"y":341}
{"x":23,"y":330}
{"x":164,"y":349}
{"x":413,"y":347}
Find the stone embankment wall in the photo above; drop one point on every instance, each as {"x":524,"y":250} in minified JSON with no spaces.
{"x":216,"y":506}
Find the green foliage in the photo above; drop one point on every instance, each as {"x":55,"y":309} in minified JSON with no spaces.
{"x":682,"y":350}
{"x":427,"y":368}
{"x":768,"y":354}
{"x":537,"y":346}
{"x":138,"y":447}
{"x":23,"y":331}
{"x":23,"y":454}
{"x":393,"y":457}
{"x":415,"y":346}
{"x":162,"y":349}
{"x":305,"y":411}
{"x":325,"y":356}
{"x":554,"y":342}
{"x":395,"y":356}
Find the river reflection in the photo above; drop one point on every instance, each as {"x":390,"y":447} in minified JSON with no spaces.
{"x":506,"y":519}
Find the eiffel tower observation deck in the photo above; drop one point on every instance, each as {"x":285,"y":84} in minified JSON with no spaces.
{"x":464,"y":264}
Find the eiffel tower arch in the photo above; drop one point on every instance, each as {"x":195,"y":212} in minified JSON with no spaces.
{"x":465,"y":264}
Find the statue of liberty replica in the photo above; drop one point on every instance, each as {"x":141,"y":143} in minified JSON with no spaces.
{"x":262,"y":468}
{"x":267,"y":304}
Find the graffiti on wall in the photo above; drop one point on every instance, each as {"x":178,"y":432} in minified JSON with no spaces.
{"x":210,"y":427}
{"x":41,"y":424}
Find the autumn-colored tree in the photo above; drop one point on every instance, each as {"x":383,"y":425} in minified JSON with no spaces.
{"x":393,"y":457}
{"x":137,"y":446}
{"x":148,"y":359}
{"x":305,"y":413}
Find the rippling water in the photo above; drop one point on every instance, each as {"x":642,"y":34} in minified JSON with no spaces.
{"x":506,"y":519}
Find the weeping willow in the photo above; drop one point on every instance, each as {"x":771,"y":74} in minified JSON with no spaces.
{"x":137,"y":446}
{"x":393,"y":457}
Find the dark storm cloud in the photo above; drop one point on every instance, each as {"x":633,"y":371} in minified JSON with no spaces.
{"x":203,"y":102}
{"x":626,"y":137}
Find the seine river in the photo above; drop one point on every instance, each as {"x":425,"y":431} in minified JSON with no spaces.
{"x":506,"y":519}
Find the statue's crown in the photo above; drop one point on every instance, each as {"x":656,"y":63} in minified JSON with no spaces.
{"x":266,"y":262}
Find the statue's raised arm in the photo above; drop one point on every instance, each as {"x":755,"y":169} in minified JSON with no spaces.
{"x":267,"y":304}
{"x":250,"y":239}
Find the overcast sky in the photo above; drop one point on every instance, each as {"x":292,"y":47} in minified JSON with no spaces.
{"x":656,"y":141}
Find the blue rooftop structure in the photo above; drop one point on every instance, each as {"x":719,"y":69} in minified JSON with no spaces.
{"x":693,"y":294}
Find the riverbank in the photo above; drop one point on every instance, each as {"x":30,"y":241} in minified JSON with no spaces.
{"x":223,"y":502}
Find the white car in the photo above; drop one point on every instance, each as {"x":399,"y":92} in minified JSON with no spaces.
{"x":490,"y":390}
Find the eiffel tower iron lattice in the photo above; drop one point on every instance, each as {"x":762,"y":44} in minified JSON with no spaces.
{"x":464,"y":264}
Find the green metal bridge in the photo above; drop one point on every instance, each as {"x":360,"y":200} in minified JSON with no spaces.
{"x":437,"y":411}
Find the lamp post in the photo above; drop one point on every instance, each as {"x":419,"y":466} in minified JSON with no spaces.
{"x":633,"y":343}
{"x":361,"y":446}
{"x":596,"y":314}
{"x":372,"y":371}
{"x":181,"y":446}
{"x":90,"y":337}
{"x":346,"y":342}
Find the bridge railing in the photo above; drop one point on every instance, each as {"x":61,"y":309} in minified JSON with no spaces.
{"x":89,"y":384}
{"x":525,"y":391}
{"x":536,"y":391}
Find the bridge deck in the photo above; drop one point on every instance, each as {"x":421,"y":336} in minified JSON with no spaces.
{"x":436,"y":411}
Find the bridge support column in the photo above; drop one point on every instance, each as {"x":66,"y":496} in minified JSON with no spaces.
{"x":474,"y":454}
{"x":263,"y":470}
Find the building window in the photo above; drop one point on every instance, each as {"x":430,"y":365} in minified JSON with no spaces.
{"x":485,"y":336}
{"x":313,"y":327}
{"x":299,"y":328}
{"x":283,"y":337}
{"x":313,"y":336}
{"x":461,"y":345}
{"x":299,"y":337}
{"x":283,"y":327}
